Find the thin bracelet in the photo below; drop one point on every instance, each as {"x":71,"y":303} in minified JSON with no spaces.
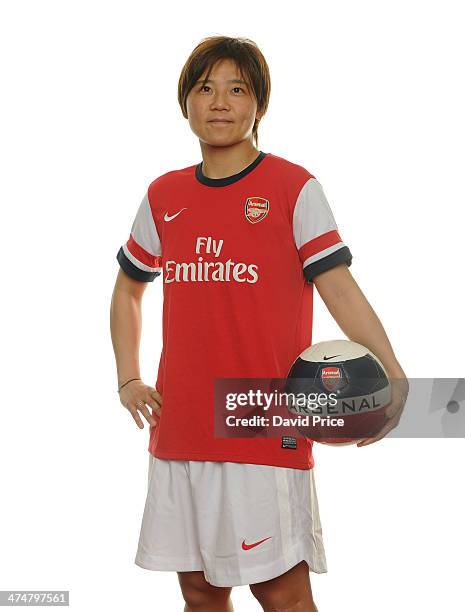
{"x":128,"y":381}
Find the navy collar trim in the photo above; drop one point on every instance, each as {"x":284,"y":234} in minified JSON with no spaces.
{"x":227,"y":180}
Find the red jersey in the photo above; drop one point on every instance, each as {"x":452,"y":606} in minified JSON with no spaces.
{"x":237,"y":257}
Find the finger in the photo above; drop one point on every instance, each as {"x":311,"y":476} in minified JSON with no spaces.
{"x":394,"y":409}
{"x":380,"y":435}
{"x":135,"y":415}
{"x":155,"y":395}
{"x":386,"y":429}
{"x":393,"y":414}
{"x":142,"y":408}
{"x":370,"y":440}
{"x":146,"y":413}
{"x":155,"y":407}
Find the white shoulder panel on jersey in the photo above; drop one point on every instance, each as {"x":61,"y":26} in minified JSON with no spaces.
{"x":140,"y":256}
{"x":316,"y":234}
{"x":143,"y":229}
{"x":312,"y":214}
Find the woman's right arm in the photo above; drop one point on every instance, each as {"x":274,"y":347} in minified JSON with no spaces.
{"x":126,"y":327}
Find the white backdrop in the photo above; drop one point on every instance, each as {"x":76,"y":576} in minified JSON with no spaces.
{"x":368,"y":97}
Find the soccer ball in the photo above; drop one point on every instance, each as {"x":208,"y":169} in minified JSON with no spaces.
{"x":342,"y":388}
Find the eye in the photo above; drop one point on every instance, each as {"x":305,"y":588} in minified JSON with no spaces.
{"x":203,"y":87}
{"x":237,"y":87}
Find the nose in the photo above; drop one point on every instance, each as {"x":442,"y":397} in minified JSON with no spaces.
{"x":219,"y":101}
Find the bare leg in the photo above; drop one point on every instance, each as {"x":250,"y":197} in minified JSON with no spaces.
{"x":290,"y":592}
{"x":201,"y":596}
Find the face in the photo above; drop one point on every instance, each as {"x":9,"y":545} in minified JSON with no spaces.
{"x":222,"y":110}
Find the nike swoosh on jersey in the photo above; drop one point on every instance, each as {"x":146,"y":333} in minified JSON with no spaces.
{"x":332,"y":357}
{"x":168,"y":218}
{"x":249,"y":546}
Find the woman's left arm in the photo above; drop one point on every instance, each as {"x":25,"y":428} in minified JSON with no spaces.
{"x":359,"y":322}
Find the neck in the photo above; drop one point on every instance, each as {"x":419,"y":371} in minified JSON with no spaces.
{"x":220,"y":162}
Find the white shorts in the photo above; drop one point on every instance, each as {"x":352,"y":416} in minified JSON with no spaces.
{"x":239,"y":523}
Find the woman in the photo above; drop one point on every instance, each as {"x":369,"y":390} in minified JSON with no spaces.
{"x":239,"y":239}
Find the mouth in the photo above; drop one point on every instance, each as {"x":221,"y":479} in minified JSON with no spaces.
{"x":220,"y":121}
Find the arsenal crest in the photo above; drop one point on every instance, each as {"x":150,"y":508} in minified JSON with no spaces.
{"x":256,"y":209}
{"x":330,"y":377}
